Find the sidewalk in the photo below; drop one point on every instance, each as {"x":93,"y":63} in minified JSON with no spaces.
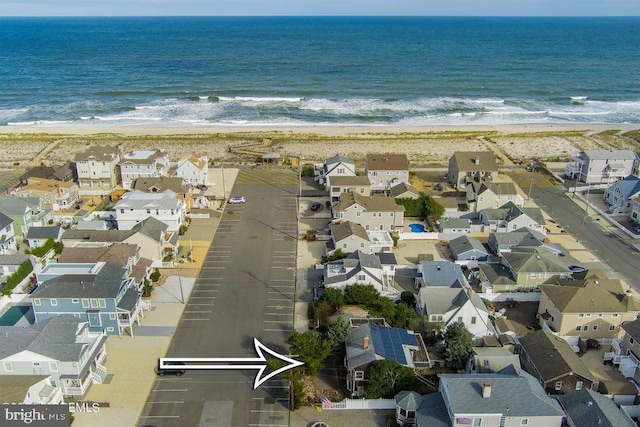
{"x":131,"y":361}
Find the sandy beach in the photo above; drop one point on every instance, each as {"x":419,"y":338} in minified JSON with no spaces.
{"x":35,"y":144}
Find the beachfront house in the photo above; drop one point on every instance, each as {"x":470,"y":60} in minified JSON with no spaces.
{"x":348,"y":184}
{"x":193,"y":169}
{"x":136,"y":206}
{"x":25,"y":212}
{"x":620,"y":195}
{"x":509,"y":398}
{"x":368,"y":343}
{"x":60,"y":347}
{"x":99,"y":293}
{"x":446,"y":305}
{"x":510,"y":217}
{"x":143,"y":164}
{"x":566,"y":372}
{"x":97,"y":170}
{"x":373,"y":213}
{"x":336,"y":166}
{"x":55,"y":194}
{"x":7,"y":235}
{"x":471,"y":166}
{"x":386,"y":170}
{"x":601,"y":166}
{"x":487,"y":195}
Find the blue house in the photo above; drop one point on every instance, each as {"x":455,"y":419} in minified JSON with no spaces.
{"x":102,"y":295}
{"x":620,"y":195}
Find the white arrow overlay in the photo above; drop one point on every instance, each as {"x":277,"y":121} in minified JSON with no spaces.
{"x":224,"y":363}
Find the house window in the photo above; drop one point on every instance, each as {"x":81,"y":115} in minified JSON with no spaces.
{"x":109,"y":329}
{"x":588,"y":314}
{"x":344,"y":246}
{"x":473,"y":320}
{"x":439,"y":318}
{"x":362,"y":245}
{"x":631,"y":340}
{"x":85,"y":303}
{"x":121,"y":210}
{"x":75,"y":300}
{"x":585,"y":328}
{"x":615,"y":315}
{"x":157,"y":212}
{"x":112,"y":316}
{"x":360,"y":277}
{"x":579,"y":385}
{"x":595,"y":327}
{"x":558,"y":385}
{"x":599,"y":314}
{"x":148,"y":211}
{"x":36,"y":301}
{"x":53,"y":366}
{"x":54,"y":302}
{"x":477,"y":422}
{"x":103,"y":303}
{"x":94,"y":303}
{"x":486,"y":363}
{"x":578,"y":328}
{"x":459,"y":318}
{"x":8,"y":367}
{"x":612,"y":328}
{"x":358,"y":213}
{"x":580,"y":315}
{"x":524,"y":421}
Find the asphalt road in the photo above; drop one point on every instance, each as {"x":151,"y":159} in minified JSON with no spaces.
{"x":245,"y":290}
{"x":611,"y":248}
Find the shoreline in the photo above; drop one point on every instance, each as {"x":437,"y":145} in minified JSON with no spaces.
{"x":327,"y":130}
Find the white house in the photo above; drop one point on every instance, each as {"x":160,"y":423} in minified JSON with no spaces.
{"x":386,"y":170}
{"x":333,"y":167}
{"x":143,"y":164}
{"x":193,"y":169}
{"x":510,"y":217}
{"x":601,"y":166}
{"x":362,"y":268}
{"x":136,"y":206}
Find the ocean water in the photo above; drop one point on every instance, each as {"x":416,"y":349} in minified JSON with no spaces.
{"x":318,"y":71}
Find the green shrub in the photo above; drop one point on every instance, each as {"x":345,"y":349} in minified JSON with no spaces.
{"x":333,"y":297}
{"x":44,"y":249}
{"x":183,"y":229}
{"x":155,"y":276}
{"x":18,"y":276}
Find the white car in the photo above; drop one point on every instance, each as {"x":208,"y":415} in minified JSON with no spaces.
{"x":237,"y":200}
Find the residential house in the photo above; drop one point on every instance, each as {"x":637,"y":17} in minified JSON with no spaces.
{"x":439,"y":273}
{"x":373,"y":213}
{"x":523,"y":272}
{"x":386,"y":170}
{"x":143,"y":164}
{"x":9,"y":263}
{"x":446,"y":306}
{"x":7,"y":235}
{"x":30,"y":390}
{"x":454,"y":227}
{"x":520,"y":239}
{"x":56,"y":194}
{"x":193,"y":169}
{"x":594,"y":307}
{"x":626,"y":350}
{"x":635,"y":211}
{"x":183,"y":192}
{"x":97,"y":169}
{"x":65,"y":172}
{"x":587,"y":408}
{"x":350,"y":237}
{"x":349,"y":184}
{"x":491,"y":195}
{"x":370,"y":342}
{"x":137,"y":206}
{"x":601,"y":166}
{"x":61,"y":348}
{"x":471,"y":166}
{"x":98,"y":293}
{"x":468,"y":251}
{"x":552,"y":361}
{"x":619,"y":195}
{"x":509,"y":398}
{"x":25,"y":212}
{"x":336,"y":166}
{"x":489,"y":360}
{"x":510,"y":217}
{"x":123,"y":255}
{"x":38,"y":236}
{"x":404,"y":190}
{"x":361,"y":268}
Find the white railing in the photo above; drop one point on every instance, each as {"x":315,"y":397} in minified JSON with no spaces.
{"x":99,"y":374}
{"x":351,"y":404}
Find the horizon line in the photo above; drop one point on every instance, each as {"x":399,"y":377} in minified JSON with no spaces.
{"x":319,"y":16}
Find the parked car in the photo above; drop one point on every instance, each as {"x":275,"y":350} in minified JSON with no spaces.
{"x":315,"y":206}
{"x":237,"y":200}
{"x":164,"y":371}
{"x":577,"y":269}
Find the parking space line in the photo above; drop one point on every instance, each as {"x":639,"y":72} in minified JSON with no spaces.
{"x":198,"y":311}
{"x":279,"y":299}
{"x":170,"y":389}
{"x":285,"y":322}
{"x":167,"y":401}
{"x":159,"y":416}
{"x":208,"y":318}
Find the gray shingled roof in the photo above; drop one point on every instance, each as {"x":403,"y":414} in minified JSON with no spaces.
{"x":497,"y":274}
{"x":448,"y":223}
{"x":586,"y":408}
{"x":137,"y":199}
{"x":463,"y":244}
{"x":372,"y":204}
{"x":100,"y":153}
{"x":433,"y":412}
{"x":129,"y":299}
{"x":357,"y":355}
{"x":536,"y":262}
{"x":17,"y":206}
{"x":347,"y":229}
{"x":13,"y":259}
{"x":500,"y":188}
{"x":509,"y":211}
{"x":152,"y":228}
{"x":339,"y":159}
{"x":633,"y":329}
{"x":610,"y":154}
{"x":441,"y":273}
{"x":353,"y":264}
{"x":105,"y":284}
{"x":383,"y":343}
{"x":408,"y":400}
{"x":4,"y":221}
{"x":117,"y":254}
{"x":160,"y":184}
{"x":517,"y":395}
{"x":466,"y":161}
{"x":553,"y":357}
{"x":98,"y":235}
{"x":350,"y":180}
{"x":401,"y":188}
{"x":440,"y":299}
{"x":43,"y":232}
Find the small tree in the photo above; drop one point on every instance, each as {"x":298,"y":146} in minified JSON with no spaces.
{"x":310,"y":349}
{"x":387,"y":378}
{"x":337,"y":334}
{"x":332,"y":296}
{"x":296,"y":385}
{"x":458,"y":345}
{"x":323,"y":311}
{"x":409,"y":298}
{"x":155,"y":276}
{"x":360,"y":294}
{"x":432,"y":208}
{"x":307,"y":170}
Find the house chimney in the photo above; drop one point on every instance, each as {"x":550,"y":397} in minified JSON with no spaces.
{"x":486,"y":390}
{"x":477,"y":160}
{"x":365,"y":342}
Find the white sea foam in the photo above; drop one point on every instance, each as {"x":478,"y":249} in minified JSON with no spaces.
{"x":265,"y":99}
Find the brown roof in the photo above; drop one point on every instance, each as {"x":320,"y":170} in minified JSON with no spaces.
{"x":117,"y":254}
{"x":160,"y":184}
{"x":197,"y":161}
{"x":466,"y":161}
{"x":589,"y":297}
{"x":387,"y":162}
{"x":139,"y":270}
{"x":102,"y":154}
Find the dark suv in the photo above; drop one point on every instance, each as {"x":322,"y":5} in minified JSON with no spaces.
{"x":164,"y":371}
